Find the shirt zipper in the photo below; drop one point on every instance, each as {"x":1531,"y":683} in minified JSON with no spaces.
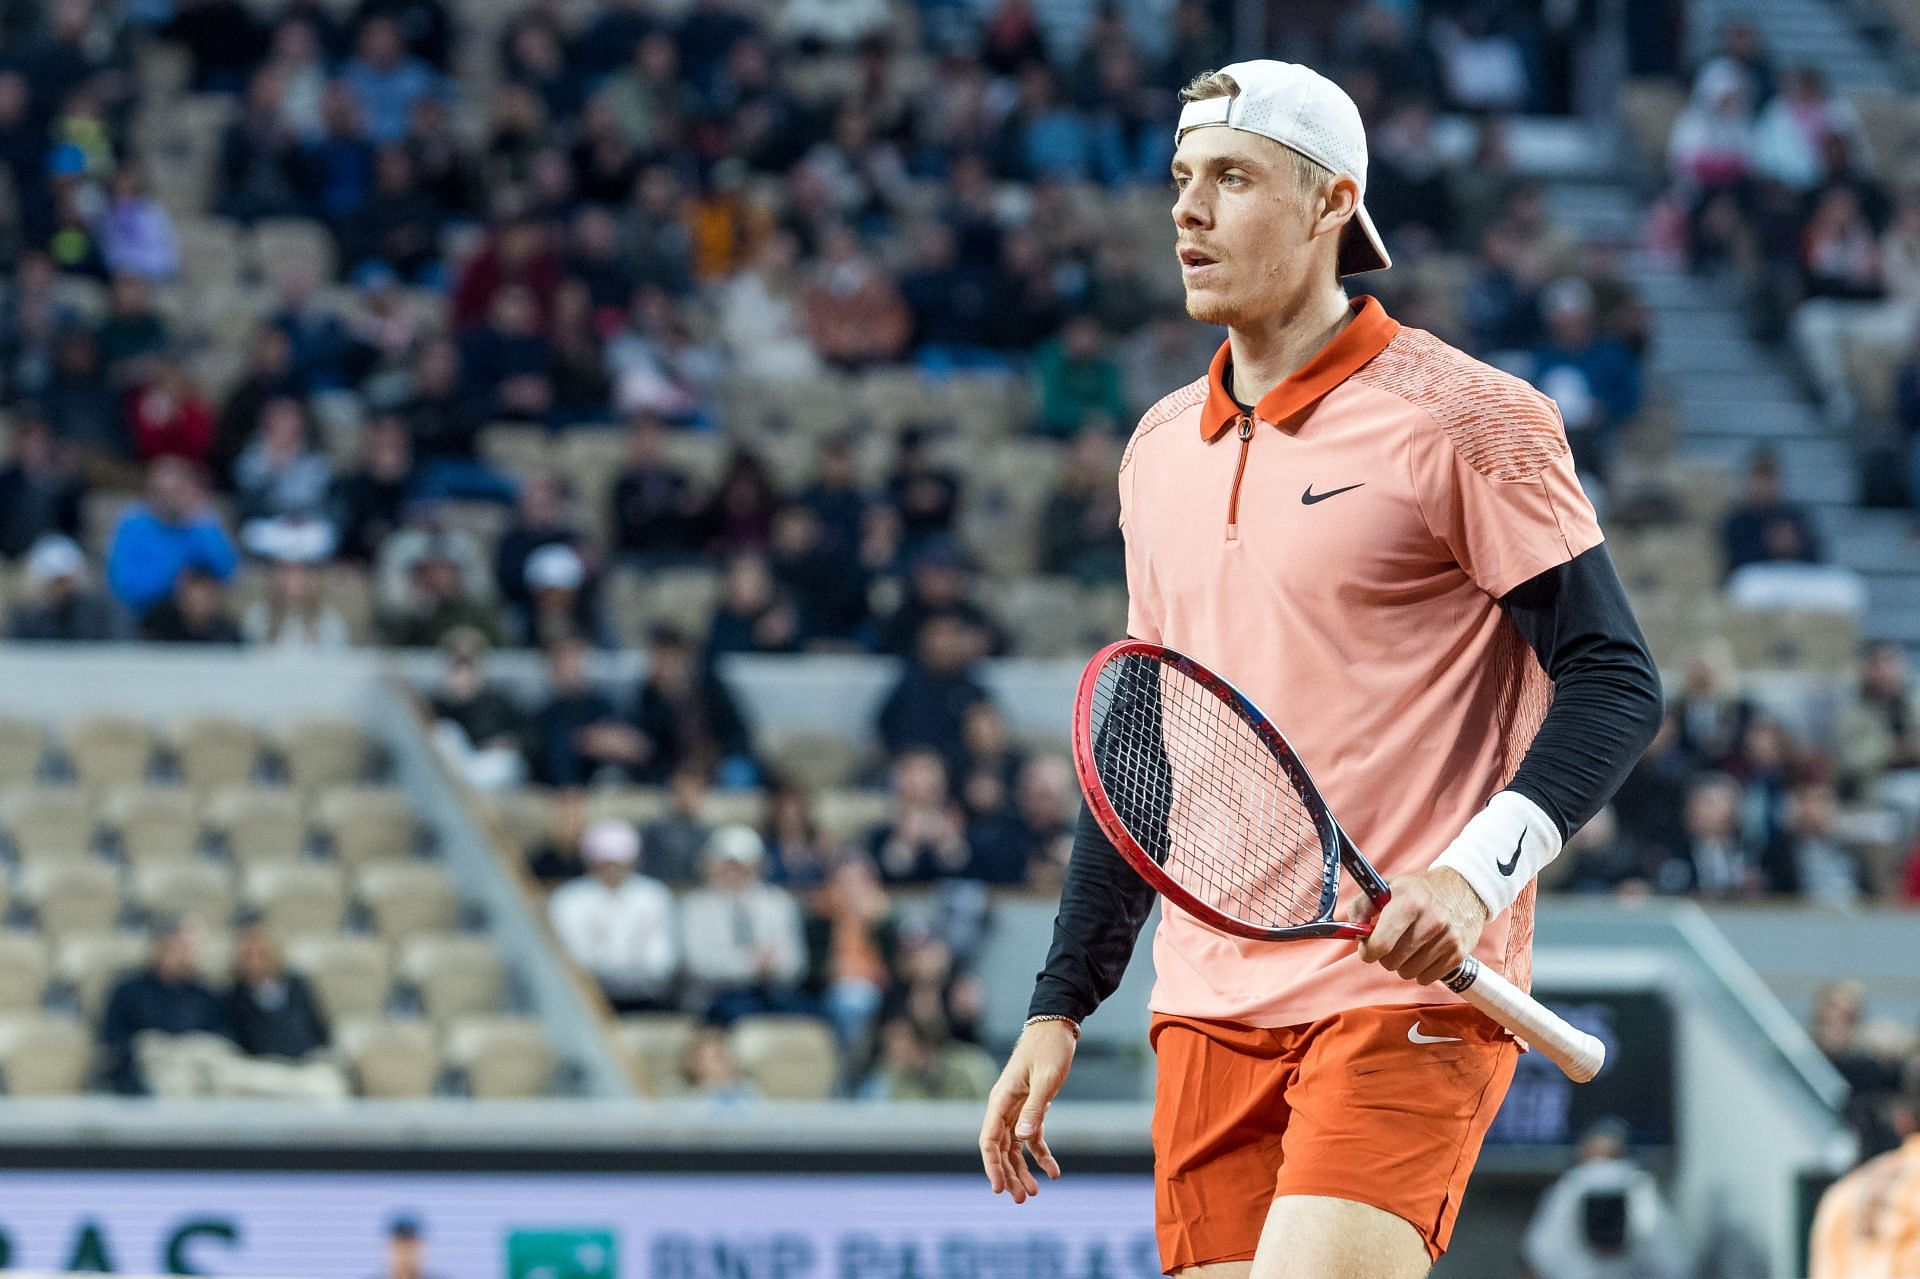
{"x":1244,"y":424}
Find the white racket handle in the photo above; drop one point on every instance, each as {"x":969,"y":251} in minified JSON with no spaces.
{"x":1576,"y":1052}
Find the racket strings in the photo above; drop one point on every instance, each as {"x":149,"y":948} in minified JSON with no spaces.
{"x":1205,"y":797}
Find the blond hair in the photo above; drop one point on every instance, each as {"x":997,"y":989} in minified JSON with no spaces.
{"x":1308,"y":173}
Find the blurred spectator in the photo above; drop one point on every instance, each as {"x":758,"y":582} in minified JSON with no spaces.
{"x":686,"y":717}
{"x":752,"y":615}
{"x":1595,"y":859}
{"x":272,"y":1012}
{"x":837,"y":497}
{"x":1878,"y":739}
{"x":398,"y":227}
{"x":1809,"y":861}
{"x":541,"y":518}
{"x":619,"y":925}
{"x":318,"y":341}
{"x":518,"y":254}
{"x":851,"y":936}
{"x":1866,"y":1222}
{"x":799,"y":857}
{"x":1837,"y":1025}
{"x":167,"y":416}
{"x":915,"y":1065}
{"x":1502,"y":304}
{"x":166,"y":996}
{"x":939,"y":582}
{"x":439,"y":599}
{"x":745,"y":950}
{"x":268,"y":376}
{"x":1409,"y":189}
{"x":261,"y":167}
{"x":1593,"y":378}
{"x":1715,"y":858}
{"x":196,"y":612}
{"x":1483,"y":64}
{"x":295,"y":614}
{"x":739,"y":516}
{"x":711,"y":1070}
{"x":1029,"y":844}
{"x":445,"y":420}
{"x":950,"y":302}
{"x":386,"y":83}
{"x":1711,"y":712}
{"x":369,"y":502}
{"x":281,"y":473}
{"x":762,"y":316}
{"x":1794,"y":126}
{"x":1711,"y":148}
{"x":80,"y":404}
{"x":561,"y":598}
{"x":829,"y":588}
{"x":133,"y":331}
{"x":41,"y":491}
{"x":477,"y":726}
{"x":577,"y":735}
{"x":1768,"y":765}
{"x":136,"y":235}
{"x":1079,"y":382}
{"x":930,"y":702}
{"x":1764,"y":526}
{"x":35,"y":312}
{"x":172,"y":530}
{"x":1080,"y":524}
{"x":654,"y":503}
{"x":223,"y":41}
{"x":925,"y":838}
{"x":406,"y":1251}
{"x":553,"y":855}
{"x":1604,"y":1219}
{"x":59,"y":603}
{"x":505,"y":359}
{"x":1650,"y":805}
{"x":855,"y":314}
{"x":676,"y":841}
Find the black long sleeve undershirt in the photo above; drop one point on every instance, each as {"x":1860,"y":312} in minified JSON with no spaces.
{"x":1606,"y":708}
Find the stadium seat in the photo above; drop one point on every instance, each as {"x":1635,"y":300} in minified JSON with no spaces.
{"x":47,"y":823}
{"x":22,"y":746}
{"x":296,"y":898}
{"x":1046,"y":617}
{"x":390,"y":1059}
{"x":522,"y":450}
{"x":683,"y":597}
{"x":656,"y":1044}
{"x":636,"y":804}
{"x":524,"y":817}
{"x":281,"y":242}
{"x":501,"y":1057}
{"x":351,"y":976}
{"x":153,"y":824}
{"x":1648,"y":107}
{"x":24,"y":970}
{"x":216,"y":751}
{"x":454,"y":976}
{"x":408,"y":898}
{"x":790,"y":1058}
{"x":1793,"y":639}
{"x":324,"y":752}
{"x":364,"y":824}
{"x":197,"y":888}
{"x":209,"y":251}
{"x":43,"y":1056}
{"x":734,"y":808}
{"x":88,"y":964}
{"x":258,"y":826}
{"x":817,"y":761}
{"x":72,"y":897}
{"x":108,"y":750}
{"x":851,"y":814}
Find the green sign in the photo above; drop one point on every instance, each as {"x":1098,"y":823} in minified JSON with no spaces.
{"x":561,"y":1252}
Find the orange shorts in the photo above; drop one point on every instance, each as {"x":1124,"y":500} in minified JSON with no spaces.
{"x":1350,"y":1107}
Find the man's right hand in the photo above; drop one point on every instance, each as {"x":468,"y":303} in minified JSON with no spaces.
{"x":1017,"y":1109}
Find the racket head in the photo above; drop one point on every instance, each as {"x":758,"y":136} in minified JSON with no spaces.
{"x":1218,"y":814}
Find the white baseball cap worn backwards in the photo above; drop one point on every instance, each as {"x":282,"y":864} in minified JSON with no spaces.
{"x":1303,"y":111}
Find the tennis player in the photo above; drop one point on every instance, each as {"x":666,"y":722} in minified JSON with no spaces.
{"x":1382,"y":542}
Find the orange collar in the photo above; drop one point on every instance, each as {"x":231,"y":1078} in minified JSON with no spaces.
{"x":1365,"y":336}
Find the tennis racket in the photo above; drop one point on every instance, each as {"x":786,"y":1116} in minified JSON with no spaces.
{"x":1207,"y":801}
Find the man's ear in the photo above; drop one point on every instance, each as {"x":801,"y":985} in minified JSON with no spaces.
{"x":1339,"y":199}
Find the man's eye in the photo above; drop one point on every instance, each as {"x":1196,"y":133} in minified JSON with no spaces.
{"x":1231,"y":180}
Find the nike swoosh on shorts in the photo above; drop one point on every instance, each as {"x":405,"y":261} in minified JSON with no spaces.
{"x":1414,"y":1036}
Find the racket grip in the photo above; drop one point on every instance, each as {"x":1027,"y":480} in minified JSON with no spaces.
{"x":1576,"y":1052}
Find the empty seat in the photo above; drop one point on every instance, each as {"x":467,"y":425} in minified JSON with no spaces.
{"x":814,"y":760}
{"x":406,"y":898}
{"x":153,"y":824}
{"x":47,"y":823}
{"x":365,"y":824}
{"x":44,"y":1056}
{"x":734,"y":808}
{"x":636,"y":804}
{"x":279,"y":243}
{"x":24,"y":971}
{"x":298,"y":897}
{"x":72,"y":897}
{"x":851,"y":814}
{"x":790,"y":1058}
{"x":351,"y":976}
{"x":216,"y":751}
{"x":199,"y":889}
{"x":324,"y":752}
{"x":656,"y":1044}
{"x":109,"y":750}
{"x":90,"y":963}
{"x":683,"y":598}
{"x":454,"y":976}
{"x":390,"y":1058}
{"x":501,"y":1057}
{"x":21,"y":747}
{"x":258,"y":826}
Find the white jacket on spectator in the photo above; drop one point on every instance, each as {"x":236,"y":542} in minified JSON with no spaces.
{"x":1557,"y":1245}
{"x":728,"y":933}
{"x":624,"y":936}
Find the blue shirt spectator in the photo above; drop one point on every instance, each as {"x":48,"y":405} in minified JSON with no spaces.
{"x":158,"y":538}
{"x":385,"y":82}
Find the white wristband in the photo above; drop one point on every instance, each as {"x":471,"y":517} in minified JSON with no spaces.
{"x":1502,"y":849}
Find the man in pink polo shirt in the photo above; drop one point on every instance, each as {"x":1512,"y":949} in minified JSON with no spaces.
{"x":1383,"y":543}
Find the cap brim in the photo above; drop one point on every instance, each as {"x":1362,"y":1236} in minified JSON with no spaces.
{"x":1360,"y":247}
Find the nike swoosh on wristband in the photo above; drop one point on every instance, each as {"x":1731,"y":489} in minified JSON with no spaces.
{"x":1309,"y":497}
{"x":1512,"y":863}
{"x":1415,"y":1036}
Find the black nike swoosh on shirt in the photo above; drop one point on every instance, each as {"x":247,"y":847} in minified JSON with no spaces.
{"x":1512,"y":863}
{"x":1309,"y":497}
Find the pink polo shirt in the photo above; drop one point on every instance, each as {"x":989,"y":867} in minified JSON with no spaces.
{"x":1340,"y":556}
